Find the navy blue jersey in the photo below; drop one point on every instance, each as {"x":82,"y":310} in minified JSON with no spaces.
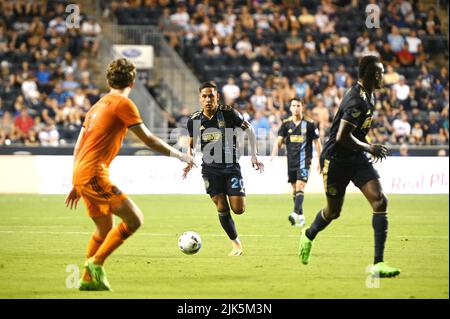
{"x":298,"y":139}
{"x":356,"y":108}
{"x":217,"y":134}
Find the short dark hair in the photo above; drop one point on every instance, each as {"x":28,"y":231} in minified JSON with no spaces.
{"x":298,"y":99}
{"x":121,"y":73}
{"x":208,"y":84}
{"x":367,"y":63}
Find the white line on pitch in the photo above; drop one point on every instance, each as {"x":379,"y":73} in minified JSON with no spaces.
{"x":205,"y":235}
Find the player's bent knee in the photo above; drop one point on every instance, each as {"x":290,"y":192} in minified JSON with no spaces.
{"x":332,"y":214}
{"x":239,"y":210}
{"x":380,"y":205}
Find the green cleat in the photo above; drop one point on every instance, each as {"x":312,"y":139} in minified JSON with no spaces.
{"x":382,"y":270}
{"x":304,"y":248}
{"x":84,"y":285}
{"x":98,"y":275}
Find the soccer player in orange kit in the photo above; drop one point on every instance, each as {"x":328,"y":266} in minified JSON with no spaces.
{"x":98,"y":143}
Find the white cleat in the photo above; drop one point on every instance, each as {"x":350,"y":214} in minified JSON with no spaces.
{"x":297,"y":220}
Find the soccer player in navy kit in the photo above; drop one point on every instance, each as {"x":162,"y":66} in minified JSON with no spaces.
{"x":344,"y":159}
{"x":298,"y":133}
{"x":215,"y":125}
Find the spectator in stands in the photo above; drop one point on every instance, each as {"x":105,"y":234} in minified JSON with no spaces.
{"x":30,"y":89}
{"x":417,"y":134}
{"x":388,"y":56}
{"x":32,"y":138}
{"x":413,"y":41}
{"x":261,"y":124}
{"x":321,"y":115}
{"x":381,"y":128}
{"x":293,"y":42}
{"x":431,"y":23}
{"x":433,"y":131}
{"x":23,"y":123}
{"x":341,"y":76}
{"x":69,"y":85}
{"x":43,"y":77}
{"x":310,"y":44}
{"x":402,"y":151}
{"x":259,"y":100}
{"x":401,"y":89}
{"x":91,"y":31}
{"x":58,"y":25}
{"x":425,"y":77}
{"x":244,"y":46}
{"x":69,"y":64}
{"x":402,"y":128}
{"x":230,"y":91}
{"x":246,"y":19}
{"x":407,"y":11}
{"x":307,"y":20}
{"x":391,"y":77}
{"x":405,"y":57}
{"x":323,"y":22}
{"x":50,"y":135}
{"x":395,"y":39}
{"x":301,"y":88}
{"x":8,"y":131}
{"x":442,"y":152}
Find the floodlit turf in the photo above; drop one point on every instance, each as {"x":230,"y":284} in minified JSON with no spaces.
{"x":40,"y":239}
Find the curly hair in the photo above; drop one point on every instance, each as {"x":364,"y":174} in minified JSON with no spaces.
{"x":121,"y":73}
{"x":367,"y":64}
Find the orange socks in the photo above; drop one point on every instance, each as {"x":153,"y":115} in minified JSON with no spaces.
{"x":114,"y":239}
{"x":93,"y":245}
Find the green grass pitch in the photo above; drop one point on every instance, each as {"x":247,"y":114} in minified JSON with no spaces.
{"x":39,"y":238}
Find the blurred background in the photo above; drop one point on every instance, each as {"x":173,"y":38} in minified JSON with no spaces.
{"x":260,"y":53}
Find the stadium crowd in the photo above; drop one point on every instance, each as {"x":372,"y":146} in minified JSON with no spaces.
{"x":46,"y":86}
{"x":263,"y":53}
{"x":260,"y":53}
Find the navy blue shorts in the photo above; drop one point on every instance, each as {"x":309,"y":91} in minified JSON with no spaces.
{"x":300,"y":174}
{"x":229,"y":182}
{"x":337,"y":176}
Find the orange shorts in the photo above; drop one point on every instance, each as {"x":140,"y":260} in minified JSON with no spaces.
{"x":100,"y":196}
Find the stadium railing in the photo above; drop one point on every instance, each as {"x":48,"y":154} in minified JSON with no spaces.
{"x":171,"y":71}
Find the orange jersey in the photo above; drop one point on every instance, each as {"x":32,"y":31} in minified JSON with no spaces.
{"x":105,"y":127}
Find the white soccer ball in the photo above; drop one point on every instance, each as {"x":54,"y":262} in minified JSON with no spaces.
{"x":190,"y":242}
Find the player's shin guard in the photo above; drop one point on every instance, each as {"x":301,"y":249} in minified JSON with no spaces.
{"x":228,"y":224}
{"x":113,"y":240}
{"x":298,"y":206}
{"x":380,"y":227}
{"x":317,"y":225}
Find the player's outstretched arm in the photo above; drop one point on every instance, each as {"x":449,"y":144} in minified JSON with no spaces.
{"x":345,"y":138}
{"x":253,"y":151}
{"x":158,"y":145}
{"x":318,"y":146}
{"x":73,"y":197}
{"x":191,"y":151}
{"x":277,"y":146}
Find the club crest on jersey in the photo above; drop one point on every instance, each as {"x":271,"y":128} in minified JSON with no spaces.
{"x":304,"y":129}
{"x":221,"y":123}
{"x":206,"y":183}
{"x":356,"y":114}
{"x":290,"y":130}
{"x":332,"y":190}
